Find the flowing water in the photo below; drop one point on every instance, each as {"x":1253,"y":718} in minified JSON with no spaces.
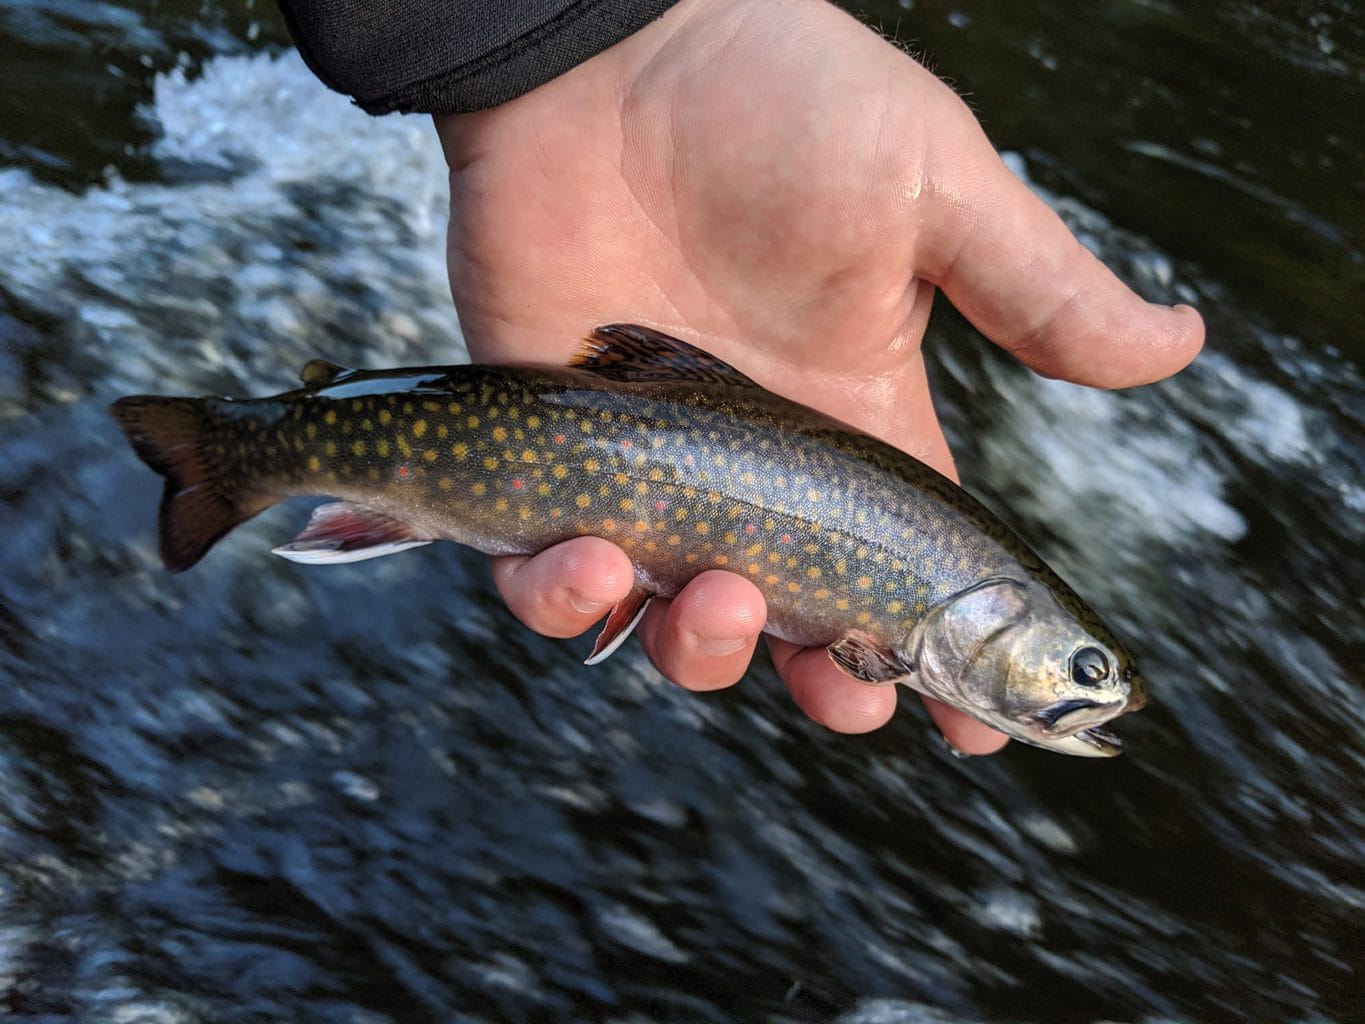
{"x":261,"y":793}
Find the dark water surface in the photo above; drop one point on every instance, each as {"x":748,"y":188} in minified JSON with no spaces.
{"x":365,"y":794}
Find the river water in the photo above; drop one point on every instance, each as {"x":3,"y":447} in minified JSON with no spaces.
{"x":259,"y":793}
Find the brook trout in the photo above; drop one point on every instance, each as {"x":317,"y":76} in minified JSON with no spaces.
{"x":687,"y":465}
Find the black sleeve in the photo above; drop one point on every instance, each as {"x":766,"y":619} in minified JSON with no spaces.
{"x":449,"y":56}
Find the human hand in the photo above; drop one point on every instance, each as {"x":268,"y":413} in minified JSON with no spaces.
{"x":783,"y":187}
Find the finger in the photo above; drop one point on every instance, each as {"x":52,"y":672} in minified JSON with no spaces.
{"x":564,"y":589}
{"x":828,"y":696}
{"x":704,"y":638}
{"x":1010,"y":265}
{"x":962,"y":731}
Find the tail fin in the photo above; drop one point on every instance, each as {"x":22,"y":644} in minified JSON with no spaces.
{"x":198,"y":505}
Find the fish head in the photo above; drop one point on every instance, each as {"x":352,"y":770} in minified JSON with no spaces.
{"x":1008,"y":653}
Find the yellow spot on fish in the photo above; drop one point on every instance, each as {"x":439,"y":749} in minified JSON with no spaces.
{"x":490,"y":463}
{"x":419,"y":429}
{"x":841,"y":567}
{"x":894,"y":607}
{"x":864,"y":618}
{"x":560,"y":471}
{"x":753,"y":568}
{"x":381,"y":448}
{"x":453,"y":408}
{"x":841,"y":603}
{"x":385,"y":417}
{"x":813,"y":571}
{"x":460,"y":450}
{"x":582,"y":501}
{"x":691,"y":557}
{"x":366,"y":424}
{"x":372,"y":472}
{"x":674,"y":540}
{"x":330,"y":448}
{"x":445,"y":483}
{"x":591,"y":465}
{"x":864,"y":582}
{"x":479,"y":489}
{"x":703,"y":528}
{"x":814,"y":495}
{"x":311,"y":430}
{"x":403,"y":446}
{"x":330,"y":418}
{"x":811,"y":549}
{"x":772,"y":578}
{"x":499,"y":434}
{"x":627,"y":505}
{"x":821,"y":593}
{"x":430,"y":407}
{"x":500,"y":505}
{"x":314,"y":463}
{"x":528,"y":456}
{"x":721,"y":560}
{"x":533,"y":422}
{"x":472,"y":421}
{"x":641,"y":526}
{"x":543,"y":489}
{"x":429,"y":455}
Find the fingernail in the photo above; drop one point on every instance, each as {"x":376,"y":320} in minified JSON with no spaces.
{"x":718,"y":647}
{"x":581,"y":604}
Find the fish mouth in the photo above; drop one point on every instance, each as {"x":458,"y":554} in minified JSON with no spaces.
{"x":1070,"y":717}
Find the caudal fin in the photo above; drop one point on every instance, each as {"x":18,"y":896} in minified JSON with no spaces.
{"x":198,"y":505}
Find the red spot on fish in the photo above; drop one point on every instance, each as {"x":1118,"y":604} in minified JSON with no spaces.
{"x":689,"y":461}
{"x":750,"y":528}
{"x":660,"y":505}
{"x":402,"y":470}
{"x":786,"y":538}
{"x":518,"y":484}
{"x":559,"y":439}
{"x":626,"y":443}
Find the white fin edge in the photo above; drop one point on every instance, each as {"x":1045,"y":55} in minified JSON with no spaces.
{"x":620,"y":638}
{"x":311,"y":554}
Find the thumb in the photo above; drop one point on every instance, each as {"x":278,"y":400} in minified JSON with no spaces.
{"x":1009,"y":264}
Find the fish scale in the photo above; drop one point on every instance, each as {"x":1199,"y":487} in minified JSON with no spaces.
{"x":646,"y":442}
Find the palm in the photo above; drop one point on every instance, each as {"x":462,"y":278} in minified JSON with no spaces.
{"x":781,"y":193}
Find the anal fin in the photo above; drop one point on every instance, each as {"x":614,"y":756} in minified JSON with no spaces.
{"x":620,"y":624}
{"x":342,"y":531}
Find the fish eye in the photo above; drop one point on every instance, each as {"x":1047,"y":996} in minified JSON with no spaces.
{"x":1089,"y":667}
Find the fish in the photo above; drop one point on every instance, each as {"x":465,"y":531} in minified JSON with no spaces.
{"x":688,"y":465}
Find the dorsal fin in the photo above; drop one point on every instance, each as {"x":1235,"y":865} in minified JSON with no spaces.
{"x":320,"y":372}
{"x":629,"y":352}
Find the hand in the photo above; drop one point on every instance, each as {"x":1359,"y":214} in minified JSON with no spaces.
{"x":780,"y":185}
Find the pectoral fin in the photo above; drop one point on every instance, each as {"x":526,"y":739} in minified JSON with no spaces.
{"x":867,"y":659}
{"x":619,"y":625}
{"x":344,"y":532}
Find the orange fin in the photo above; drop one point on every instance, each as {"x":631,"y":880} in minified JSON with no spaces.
{"x":619,"y":625}
{"x":628,"y":352}
{"x":198,"y":506}
{"x":342,"y":531}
